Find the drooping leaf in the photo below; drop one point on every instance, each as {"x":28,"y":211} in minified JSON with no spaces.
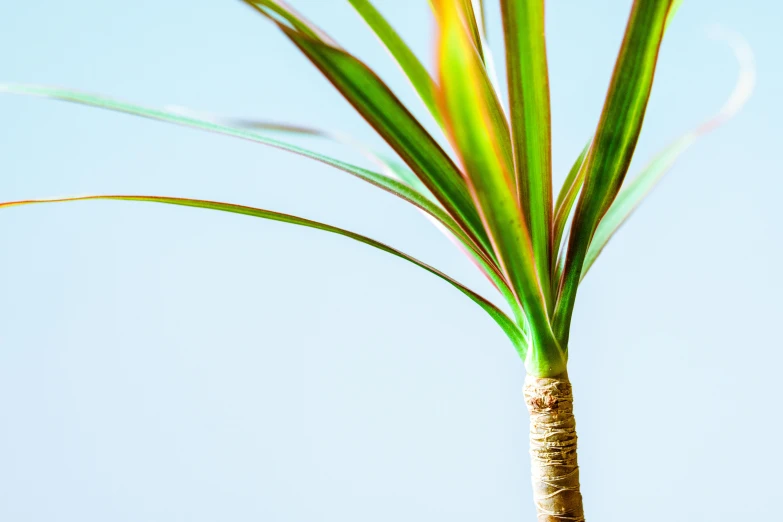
{"x":392,"y":168}
{"x":406,"y":59}
{"x":528,"y":87}
{"x":512,"y":331}
{"x":177,"y":117}
{"x":363,"y":89}
{"x":633,"y":193}
{"x":400,"y":171}
{"x":614,"y":143}
{"x":478,"y":131}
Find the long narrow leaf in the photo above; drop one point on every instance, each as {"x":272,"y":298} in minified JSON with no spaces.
{"x":280,"y":11}
{"x":478,"y":131}
{"x":406,"y":59}
{"x":394,"y":169}
{"x":631,"y":196}
{"x":573,"y":184}
{"x":362,"y":88}
{"x":528,"y":87}
{"x":399,"y":171}
{"x":471,"y":20}
{"x":177,"y":117}
{"x":512,"y":331}
{"x":565,"y":201}
{"x":615,"y":140}
{"x":388,"y":165}
{"x":481,"y":18}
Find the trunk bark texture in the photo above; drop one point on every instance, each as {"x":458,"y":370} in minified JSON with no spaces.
{"x":554,"y":469}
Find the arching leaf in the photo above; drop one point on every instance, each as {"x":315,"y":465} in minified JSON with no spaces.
{"x":177,"y":117}
{"x":512,"y":331}
{"x":373,"y":99}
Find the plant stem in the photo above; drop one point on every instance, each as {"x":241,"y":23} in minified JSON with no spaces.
{"x":555,"y":472}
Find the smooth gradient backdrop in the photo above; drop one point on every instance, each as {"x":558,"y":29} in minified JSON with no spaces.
{"x":165,"y":364}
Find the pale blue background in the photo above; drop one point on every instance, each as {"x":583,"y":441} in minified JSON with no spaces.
{"x":170,"y":364}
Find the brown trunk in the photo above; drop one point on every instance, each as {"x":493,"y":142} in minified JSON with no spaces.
{"x":553,"y":464}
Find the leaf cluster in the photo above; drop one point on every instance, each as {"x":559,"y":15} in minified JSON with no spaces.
{"x":493,"y":196}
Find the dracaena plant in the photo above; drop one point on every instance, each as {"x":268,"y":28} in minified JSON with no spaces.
{"x":493,"y":195}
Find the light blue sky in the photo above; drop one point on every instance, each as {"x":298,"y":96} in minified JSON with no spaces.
{"x":169,"y":364}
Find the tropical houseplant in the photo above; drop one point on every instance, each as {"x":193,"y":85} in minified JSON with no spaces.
{"x":493,"y":197}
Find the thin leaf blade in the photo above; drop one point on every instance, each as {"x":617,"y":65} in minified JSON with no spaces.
{"x":477,"y":128}
{"x":565,"y":201}
{"x":614,"y":143}
{"x":507,"y":325}
{"x":409,"y":63}
{"x":633,"y":193}
{"x":179,"y":117}
{"x":378,"y":105}
{"x":528,"y":86}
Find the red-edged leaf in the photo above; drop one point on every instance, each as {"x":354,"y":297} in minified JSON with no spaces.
{"x":380,"y":107}
{"x":528,"y":87}
{"x":614,"y":143}
{"x":478,"y":131}
{"x":633,"y":193}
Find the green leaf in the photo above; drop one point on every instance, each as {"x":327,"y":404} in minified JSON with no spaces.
{"x":477,"y":128}
{"x":573,"y":184}
{"x":614,"y":143}
{"x":631,"y":196}
{"x":512,"y":331}
{"x":399,"y":171}
{"x":475,"y":32}
{"x":388,"y":165}
{"x":177,"y":117}
{"x":565,"y":202}
{"x":389,"y":117}
{"x":478,"y":28}
{"x":676,"y":4}
{"x":633,"y":193}
{"x":407,"y":60}
{"x":528,"y":87}
{"x":281,"y":12}
{"x":396,"y":170}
